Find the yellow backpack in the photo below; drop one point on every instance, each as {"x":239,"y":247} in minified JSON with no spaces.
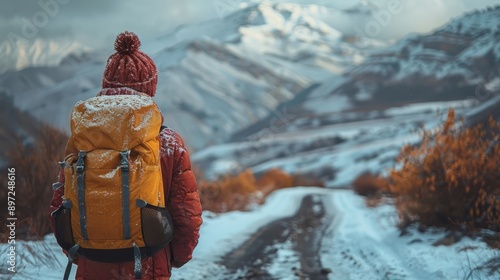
{"x":113,"y":208}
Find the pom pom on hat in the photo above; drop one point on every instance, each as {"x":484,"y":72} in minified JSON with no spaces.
{"x":130,"y":67}
{"x":127,"y":43}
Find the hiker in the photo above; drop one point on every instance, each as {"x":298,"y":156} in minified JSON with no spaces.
{"x":130,"y":76}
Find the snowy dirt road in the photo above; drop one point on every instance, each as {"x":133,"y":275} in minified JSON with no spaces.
{"x":284,"y":248}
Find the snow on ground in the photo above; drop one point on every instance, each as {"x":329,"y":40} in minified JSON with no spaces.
{"x":35,"y":260}
{"x":416,"y":108}
{"x":366,"y":244}
{"x":329,"y":104}
{"x":361,"y":243}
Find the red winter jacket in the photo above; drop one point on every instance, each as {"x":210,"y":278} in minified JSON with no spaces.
{"x":183,"y":203}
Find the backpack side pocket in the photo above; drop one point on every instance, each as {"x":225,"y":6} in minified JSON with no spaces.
{"x":63,"y":231}
{"x":157,"y":227}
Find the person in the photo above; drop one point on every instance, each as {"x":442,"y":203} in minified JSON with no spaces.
{"x":129,"y":71}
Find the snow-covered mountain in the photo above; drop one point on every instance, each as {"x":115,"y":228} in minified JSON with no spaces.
{"x":459,"y":61}
{"x":216,"y":77}
{"x":448,"y":64}
{"x":341,"y":127}
{"x":20,"y":54}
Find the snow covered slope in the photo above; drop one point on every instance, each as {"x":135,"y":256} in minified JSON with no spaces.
{"x":19,"y":54}
{"x":449,"y":64}
{"x":459,"y":61}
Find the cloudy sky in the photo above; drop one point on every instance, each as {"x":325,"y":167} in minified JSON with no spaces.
{"x":96,"y":22}
{"x":93,"y":22}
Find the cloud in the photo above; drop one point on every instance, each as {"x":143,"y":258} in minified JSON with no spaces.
{"x":422,"y":16}
{"x":93,"y":22}
{"x":410,"y":16}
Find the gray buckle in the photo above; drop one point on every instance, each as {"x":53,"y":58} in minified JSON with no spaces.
{"x":80,"y":163}
{"x":124,"y":164}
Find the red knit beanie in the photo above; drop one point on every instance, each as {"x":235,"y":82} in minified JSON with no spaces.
{"x":129,"y":67}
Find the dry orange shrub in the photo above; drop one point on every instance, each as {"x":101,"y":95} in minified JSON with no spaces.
{"x":230,"y":192}
{"x":274,"y":179}
{"x":238,"y":192}
{"x":370,"y":185}
{"x":452,"y":179}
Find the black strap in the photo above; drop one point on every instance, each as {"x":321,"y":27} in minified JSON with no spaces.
{"x":125,"y":193}
{"x":163,"y":127}
{"x":80,"y":170}
{"x":137,"y":262}
{"x":71,"y":256}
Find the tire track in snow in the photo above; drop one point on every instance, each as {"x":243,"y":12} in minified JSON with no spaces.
{"x":286,"y":248}
{"x":360,"y":250}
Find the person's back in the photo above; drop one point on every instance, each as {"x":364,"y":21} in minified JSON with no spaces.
{"x":131,"y":72}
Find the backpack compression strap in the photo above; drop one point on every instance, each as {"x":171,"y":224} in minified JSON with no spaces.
{"x":80,"y":171}
{"x":125,"y":193}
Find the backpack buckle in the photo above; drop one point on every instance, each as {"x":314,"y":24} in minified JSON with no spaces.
{"x":80,"y":163}
{"x":124,"y":161}
{"x":124,"y":167}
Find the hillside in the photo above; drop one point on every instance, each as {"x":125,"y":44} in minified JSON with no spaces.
{"x":17,"y":128}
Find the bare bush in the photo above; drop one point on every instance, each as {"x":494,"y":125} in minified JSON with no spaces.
{"x":238,"y":192}
{"x":452,"y":179}
{"x":36,"y":169}
{"x":369,"y":185}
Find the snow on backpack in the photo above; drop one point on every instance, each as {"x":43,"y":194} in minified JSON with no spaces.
{"x":113,"y":208}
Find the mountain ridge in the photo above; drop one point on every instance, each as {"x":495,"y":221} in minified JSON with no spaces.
{"x":20,"y":54}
